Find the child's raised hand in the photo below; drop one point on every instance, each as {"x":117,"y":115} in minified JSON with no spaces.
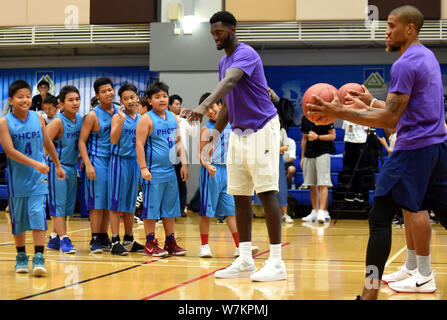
{"x":121,"y":112}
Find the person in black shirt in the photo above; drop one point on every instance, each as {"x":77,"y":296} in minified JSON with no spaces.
{"x":317,"y":144}
{"x":37,"y":102}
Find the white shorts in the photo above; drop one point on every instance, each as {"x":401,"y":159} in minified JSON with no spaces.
{"x":253,"y":161}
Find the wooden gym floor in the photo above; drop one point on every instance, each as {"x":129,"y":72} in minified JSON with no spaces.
{"x":324,"y":262}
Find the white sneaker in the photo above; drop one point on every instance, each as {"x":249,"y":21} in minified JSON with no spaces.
{"x":240,"y":268}
{"x":287,"y":218}
{"x":417,"y":283}
{"x":321,"y":216}
{"x":205,"y":251}
{"x":402,"y":274}
{"x":311,"y":217}
{"x":254,"y":250}
{"x":273,"y":270}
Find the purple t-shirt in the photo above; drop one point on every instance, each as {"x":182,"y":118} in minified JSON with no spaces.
{"x":249,"y":105}
{"x":418,"y":74}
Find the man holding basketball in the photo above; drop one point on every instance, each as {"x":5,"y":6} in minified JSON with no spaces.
{"x":415,"y":176}
{"x":253,"y":151}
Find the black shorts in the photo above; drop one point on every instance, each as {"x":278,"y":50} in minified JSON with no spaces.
{"x":417,"y":179}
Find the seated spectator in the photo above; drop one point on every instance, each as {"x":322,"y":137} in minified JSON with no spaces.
{"x":289,"y":157}
{"x":392,"y":140}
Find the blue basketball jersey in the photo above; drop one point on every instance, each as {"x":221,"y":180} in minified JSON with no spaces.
{"x":126,"y":145}
{"x":67,"y":146}
{"x":220,"y":150}
{"x":99,"y":142}
{"x":160,"y":147}
{"x":27,"y":137}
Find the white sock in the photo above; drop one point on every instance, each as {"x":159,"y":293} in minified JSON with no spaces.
{"x":53,"y":235}
{"x":64,"y":236}
{"x":245,"y":250}
{"x":275,"y":251}
{"x":424,"y":265}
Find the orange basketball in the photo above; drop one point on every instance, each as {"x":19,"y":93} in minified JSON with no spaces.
{"x":345,"y":88}
{"x":326,"y":92}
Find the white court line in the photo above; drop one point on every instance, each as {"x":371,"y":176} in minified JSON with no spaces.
{"x":398,"y":253}
{"x":28,"y":239}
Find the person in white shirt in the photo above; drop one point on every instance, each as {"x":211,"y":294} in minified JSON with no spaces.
{"x":354,"y":159}
{"x":289,"y":157}
{"x":175,"y":106}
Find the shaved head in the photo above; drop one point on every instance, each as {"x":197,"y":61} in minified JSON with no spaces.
{"x":409,"y":14}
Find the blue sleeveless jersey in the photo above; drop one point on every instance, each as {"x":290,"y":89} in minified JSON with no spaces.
{"x":160,"y":147}
{"x":125,"y":146}
{"x":220,"y":151}
{"x":67,"y":146}
{"x":27,"y":137}
{"x":99,"y":142}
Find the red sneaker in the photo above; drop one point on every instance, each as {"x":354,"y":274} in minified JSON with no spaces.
{"x":172,"y":247}
{"x":152,"y":249}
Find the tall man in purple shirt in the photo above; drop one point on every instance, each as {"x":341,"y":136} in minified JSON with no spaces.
{"x":415,"y":176}
{"x":253,"y":152}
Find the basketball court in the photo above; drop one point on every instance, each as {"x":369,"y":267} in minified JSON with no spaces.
{"x":324,"y":262}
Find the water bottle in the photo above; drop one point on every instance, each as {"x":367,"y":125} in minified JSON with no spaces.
{"x":293,"y":183}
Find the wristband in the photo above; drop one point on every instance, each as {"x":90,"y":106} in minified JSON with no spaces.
{"x":372,"y":102}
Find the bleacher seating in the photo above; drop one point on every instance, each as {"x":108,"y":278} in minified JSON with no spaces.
{"x":335,"y":196}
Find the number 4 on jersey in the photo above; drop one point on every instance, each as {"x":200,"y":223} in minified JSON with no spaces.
{"x":28,"y":150}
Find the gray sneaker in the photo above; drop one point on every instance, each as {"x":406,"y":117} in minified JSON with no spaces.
{"x":240,"y":268}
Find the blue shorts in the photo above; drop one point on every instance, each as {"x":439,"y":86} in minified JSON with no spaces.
{"x":28,"y":213}
{"x":416,"y":178}
{"x":214,"y":199}
{"x":160,"y":200}
{"x":95,"y":191}
{"x":124,"y":175}
{"x":282,"y":185}
{"x":62,"y":193}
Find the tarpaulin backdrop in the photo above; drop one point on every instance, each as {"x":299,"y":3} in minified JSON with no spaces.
{"x":82,"y":78}
{"x":291,"y":82}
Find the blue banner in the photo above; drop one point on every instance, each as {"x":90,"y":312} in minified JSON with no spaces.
{"x":82,"y":78}
{"x":291,"y":82}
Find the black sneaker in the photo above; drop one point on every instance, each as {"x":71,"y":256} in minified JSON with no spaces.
{"x":105,"y":242}
{"x":350,"y":197}
{"x":118,"y":249}
{"x":133,"y":246}
{"x":359,"y":198}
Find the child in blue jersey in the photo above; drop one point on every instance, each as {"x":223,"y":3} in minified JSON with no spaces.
{"x":124,"y":173}
{"x":214,"y":199}
{"x":64,"y":132}
{"x":158,"y":141}
{"x":23,"y":137}
{"x":95,"y":149}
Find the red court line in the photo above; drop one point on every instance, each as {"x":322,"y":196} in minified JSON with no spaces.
{"x":198,"y":278}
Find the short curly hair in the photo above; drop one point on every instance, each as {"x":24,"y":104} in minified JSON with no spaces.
{"x":225,"y":17}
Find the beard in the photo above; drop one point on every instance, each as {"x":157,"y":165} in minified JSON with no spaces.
{"x":392,"y":48}
{"x":226,"y":42}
